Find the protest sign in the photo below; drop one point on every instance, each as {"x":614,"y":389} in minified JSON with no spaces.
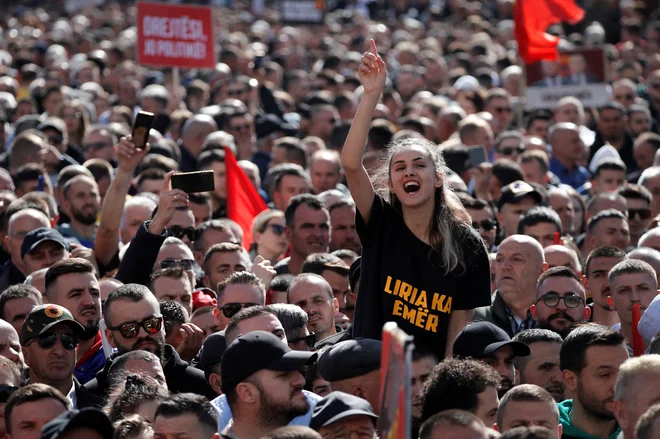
{"x":175,"y":36}
{"x":395,"y":384}
{"x":302,"y":11}
{"x":578,"y":73}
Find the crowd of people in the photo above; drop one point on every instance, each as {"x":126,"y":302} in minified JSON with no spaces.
{"x":528,"y":281}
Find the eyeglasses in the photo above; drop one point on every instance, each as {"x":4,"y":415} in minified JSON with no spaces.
{"x":641,"y":213}
{"x":551,"y":299}
{"x":229,"y":310}
{"x":503,"y":109}
{"x":180,"y":232}
{"x":624,"y":97}
{"x":185,"y":264}
{"x":508,"y":150}
{"x":277,"y":229}
{"x":309,"y":340}
{"x":55,"y":140}
{"x":96,"y":146}
{"x":151,"y":325}
{"x":487,"y":225}
{"x":48,"y":340}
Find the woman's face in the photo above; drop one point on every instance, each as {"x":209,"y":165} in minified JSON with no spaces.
{"x":71,"y":117}
{"x":413,"y":178}
{"x":273,"y":239}
{"x":579,"y":215}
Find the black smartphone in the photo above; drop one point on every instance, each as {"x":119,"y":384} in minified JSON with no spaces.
{"x":477,"y":155}
{"x":141,"y":127}
{"x":192,"y":182}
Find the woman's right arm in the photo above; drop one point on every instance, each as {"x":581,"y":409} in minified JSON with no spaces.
{"x":372,"y":75}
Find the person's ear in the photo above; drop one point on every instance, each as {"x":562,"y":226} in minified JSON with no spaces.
{"x":497,"y":428}
{"x":560,"y":430}
{"x":215,"y":381}
{"x":111,"y":339}
{"x":619,"y":411}
{"x":585,"y":283}
{"x":587,"y":313}
{"x":570,"y":380}
{"x":439,"y":180}
{"x":335,"y":305}
{"x":26,"y":356}
{"x":247,"y":392}
{"x":545,"y":267}
{"x":532,"y":310}
{"x":216,"y":317}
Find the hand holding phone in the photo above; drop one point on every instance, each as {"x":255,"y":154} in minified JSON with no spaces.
{"x":141,"y":127}
{"x":477,"y":155}
{"x":193,"y":182}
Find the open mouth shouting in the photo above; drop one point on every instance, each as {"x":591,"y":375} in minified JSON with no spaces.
{"x":411,"y":187}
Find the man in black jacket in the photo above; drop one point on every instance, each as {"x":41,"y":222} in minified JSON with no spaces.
{"x":133,"y":321}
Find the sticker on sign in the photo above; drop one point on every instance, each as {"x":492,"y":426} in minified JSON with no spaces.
{"x":175,"y":36}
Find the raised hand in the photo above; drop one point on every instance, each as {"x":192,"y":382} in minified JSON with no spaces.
{"x":128,"y":156}
{"x":169,"y":200}
{"x":372,"y":70}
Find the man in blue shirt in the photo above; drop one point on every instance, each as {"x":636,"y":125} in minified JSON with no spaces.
{"x":567,"y":151}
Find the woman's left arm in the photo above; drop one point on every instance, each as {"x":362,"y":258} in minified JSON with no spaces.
{"x":458,"y":319}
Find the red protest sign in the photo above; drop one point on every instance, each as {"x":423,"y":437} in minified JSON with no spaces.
{"x":175,"y":36}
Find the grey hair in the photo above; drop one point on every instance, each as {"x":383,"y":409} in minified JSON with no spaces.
{"x":292,"y":317}
{"x":634,"y":369}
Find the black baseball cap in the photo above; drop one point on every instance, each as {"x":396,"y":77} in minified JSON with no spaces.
{"x":213,"y":349}
{"x":86,"y":418}
{"x":482,"y":339}
{"x":271,"y":123}
{"x":516,"y":191}
{"x":40,"y":235}
{"x":350,"y":359}
{"x":258,"y":350}
{"x":337,"y":406}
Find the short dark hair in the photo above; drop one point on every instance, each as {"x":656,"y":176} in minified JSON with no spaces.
{"x":241,"y":278}
{"x":295,"y":149}
{"x":117,"y":370}
{"x":32,"y":393}
{"x":173,"y":313}
{"x":18,"y":291}
{"x":635,"y":192}
{"x":214,"y":224}
{"x":293,"y":432}
{"x":526,"y":393}
{"x":231,"y":331}
{"x":507,"y":171}
{"x":531,"y":336}
{"x":309,"y":200}
{"x":644,"y":428}
{"x":537,"y":115}
{"x":132,"y":426}
{"x":455,"y":384}
{"x":136,"y":389}
{"x":603,"y":252}
{"x":131,"y":292}
{"x":280,"y":283}
{"x":189,"y":403}
{"x":536,"y":215}
{"x":275,"y":175}
{"x":317,"y":263}
{"x":559,"y":271}
{"x":508,"y":135}
{"x":533,"y":432}
{"x":610,"y":165}
{"x":28,"y":172}
{"x":172,"y":272}
{"x":292,"y":317}
{"x":612,"y":105}
{"x":605,"y":214}
{"x":223,"y":247}
{"x":574,"y":348}
{"x":67,"y":266}
{"x":448,"y":417}
{"x":630,"y":266}
{"x":210,"y":156}
{"x":539,"y":157}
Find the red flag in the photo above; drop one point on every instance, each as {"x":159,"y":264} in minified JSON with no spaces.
{"x":533,"y":18}
{"x":243,"y":199}
{"x":637,"y":341}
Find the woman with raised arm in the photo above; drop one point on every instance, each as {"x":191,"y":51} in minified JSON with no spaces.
{"x":423,"y":265}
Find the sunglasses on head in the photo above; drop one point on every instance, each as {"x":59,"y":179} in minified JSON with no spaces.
{"x":180,"y":232}
{"x":641,"y":213}
{"x":551,"y":299}
{"x":309,"y":340}
{"x":229,"y":310}
{"x":487,"y":224}
{"x":508,"y":150}
{"x":151,"y":325}
{"x":48,"y":339}
{"x":186,"y":264}
{"x":96,"y":146}
{"x":277,"y":229}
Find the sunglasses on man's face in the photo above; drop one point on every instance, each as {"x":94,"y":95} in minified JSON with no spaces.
{"x":186,"y":264}
{"x":643,"y":214}
{"x":55,"y":140}
{"x":48,"y":340}
{"x":508,"y":150}
{"x":180,"y":232}
{"x":151,"y":325}
{"x":309,"y":340}
{"x":229,"y":310}
{"x":487,"y":225}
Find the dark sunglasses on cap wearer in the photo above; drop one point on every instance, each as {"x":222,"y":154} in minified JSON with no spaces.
{"x":551,"y":299}
{"x":180,"y":232}
{"x":229,"y":310}
{"x":641,"y":213}
{"x":151,"y":325}
{"x":48,"y":339}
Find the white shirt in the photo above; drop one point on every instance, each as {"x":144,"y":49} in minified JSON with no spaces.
{"x":71,"y":396}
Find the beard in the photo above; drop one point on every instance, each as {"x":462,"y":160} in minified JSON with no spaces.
{"x":91,"y":329}
{"x":506,"y":384}
{"x":85,"y":218}
{"x":562,"y":331}
{"x":279,"y":413}
{"x":320,"y":327}
{"x":593,"y":406}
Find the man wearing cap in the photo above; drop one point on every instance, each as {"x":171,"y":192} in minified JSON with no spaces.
{"x":41,"y":248}
{"x":57,"y":133}
{"x":341,"y":414}
{"x":518,"y":264}
{"x":88,"y":423}
{"x":516,"y":199}
{"x":262,"y":380}
{"x":49,"y":338}
{"x":489,"y":344}
{"x":210,"y":359}
{"x":353,"y":367}
{"x":19,"y":225}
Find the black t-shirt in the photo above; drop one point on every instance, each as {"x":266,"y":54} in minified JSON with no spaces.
{"x":399,"y":282}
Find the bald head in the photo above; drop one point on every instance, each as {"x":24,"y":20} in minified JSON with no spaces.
{"x":560,"y":256}
{"x":561,"y":129}
{"x":650,"y":239}
{"x":519,"y":263}
{"x":531,"y":245}
{"x":195,"y":131}
{"x":33,"y":216}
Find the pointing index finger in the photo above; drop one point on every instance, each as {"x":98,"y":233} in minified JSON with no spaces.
{"x":372,"y":47}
